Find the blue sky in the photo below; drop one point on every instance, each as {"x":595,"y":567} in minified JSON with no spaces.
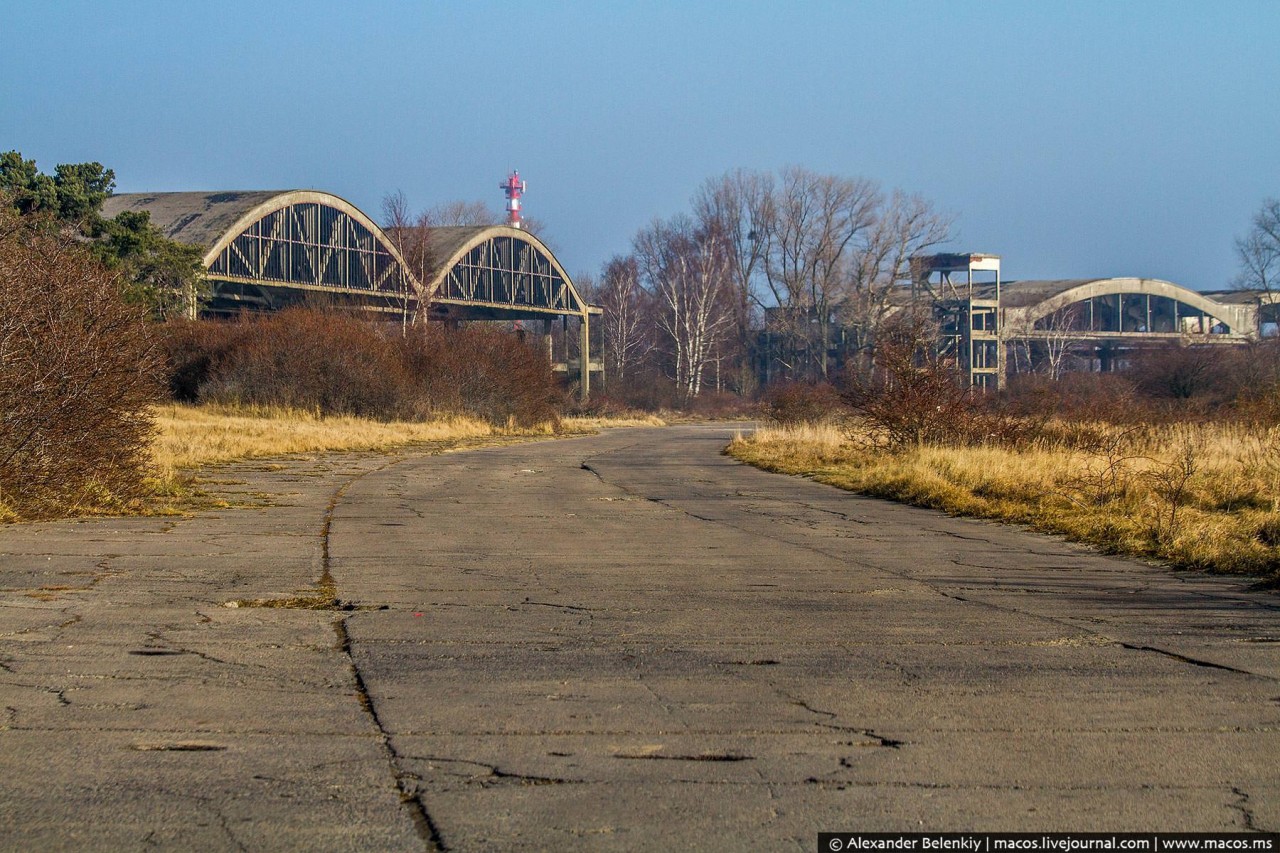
{"x":1073,"y":138}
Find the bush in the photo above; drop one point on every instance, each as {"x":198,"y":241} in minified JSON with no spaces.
{"x":721,"y":405}
{"x":335,"y":363}
{"x":908,"y":396}
{"x":796,"y":403}
{"x":1180,"y":372}
{"x":78,"y":372}
{"x":645,"y":388}
{"x":483,"y":372}
{"x":195,"y":352}
{"x":1086,"y":397}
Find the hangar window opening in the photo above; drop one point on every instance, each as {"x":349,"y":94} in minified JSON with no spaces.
{"x":1132,"y":313}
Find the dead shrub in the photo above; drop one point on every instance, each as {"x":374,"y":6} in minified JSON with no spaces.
{"x":1182,"y":373}
{"x":77,"y":375}
{"x":195,"y":351}
{"x":482,"y":372}
{"x":910,"y":397}
{"x":796,"y":403}
{"x":720,"y":405}
{"x":604,"y":407}
{"x":340,"y":364}
{"x":647,"y":389}
{"x":328,"y":362}
{"x":1080,"y":397}
{"x":1107,"y":471}
{"x":907,"y":394}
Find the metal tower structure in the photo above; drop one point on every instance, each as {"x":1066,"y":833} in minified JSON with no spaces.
{"x":966,"y":309}
{"x":514,"y":189}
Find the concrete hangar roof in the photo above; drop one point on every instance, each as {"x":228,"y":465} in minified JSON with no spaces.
{"x":197,"y":218}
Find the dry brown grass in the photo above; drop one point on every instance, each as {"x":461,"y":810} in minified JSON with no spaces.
{"x":586,"y":425}
{"x":1200,"y":496}
{"x":192,"y":437}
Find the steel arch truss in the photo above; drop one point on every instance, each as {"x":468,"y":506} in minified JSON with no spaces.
{"x":506,"y":271}
{"x":312,"y":246}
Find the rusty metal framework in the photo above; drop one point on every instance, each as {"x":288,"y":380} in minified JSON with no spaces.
{"x":311,"y":246}
{"x":508,"y":272}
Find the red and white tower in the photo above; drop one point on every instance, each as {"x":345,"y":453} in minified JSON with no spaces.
{"x":514,"y":188}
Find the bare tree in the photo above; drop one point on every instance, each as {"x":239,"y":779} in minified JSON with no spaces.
{"x":904,"y":226}
{"x":1047,"y":345}
{"x":1259,"y":250}
{"x":739,"y":207}
{"x":811,"y":237}
{"x":410,"y":233}
{"x":686,"y":269}
{"x":451,"y":213}
{"x":810,"y":254}
{"x":624,"y":324}
{"x":454,"y":213}
{"x":1060,"y":337}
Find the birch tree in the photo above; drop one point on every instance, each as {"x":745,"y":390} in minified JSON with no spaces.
{"x":686,"y":270}
{"x":409,"y":233}
{"x":739,"y":207}
{"x":624,"y":325}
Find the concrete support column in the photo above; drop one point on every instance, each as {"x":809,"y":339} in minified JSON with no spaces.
{"x":584,"y":357}
{"x":548,"y":342}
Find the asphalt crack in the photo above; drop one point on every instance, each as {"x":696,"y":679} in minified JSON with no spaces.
{"x":1242,"y":805}
{"x":800,"y":703}
{"x":702,"y":756}
{"x":1207,"y":664}
{"x":409,"y":795}
{"x":572,"y":607}
{"x":871,"y":734}
{"x":405,"y":781}
{"x":225,"y":826}
{"x":875,"y":738}
{"x":496,"y":772}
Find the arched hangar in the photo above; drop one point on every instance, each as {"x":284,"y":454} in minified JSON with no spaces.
{"x":265,"y":250}
{"x":1119,"y":308}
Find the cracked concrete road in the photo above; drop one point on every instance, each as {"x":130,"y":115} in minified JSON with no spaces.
{"x":621,"y":642}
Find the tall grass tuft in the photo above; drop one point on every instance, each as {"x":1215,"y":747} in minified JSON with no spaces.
{"x":1194,"y":495}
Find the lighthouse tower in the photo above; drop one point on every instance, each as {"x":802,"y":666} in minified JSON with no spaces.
{"x":514,"y":188}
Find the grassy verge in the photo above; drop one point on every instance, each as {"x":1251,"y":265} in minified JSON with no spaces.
{"x":189,"y":438}
{"x":1195,"y":496}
